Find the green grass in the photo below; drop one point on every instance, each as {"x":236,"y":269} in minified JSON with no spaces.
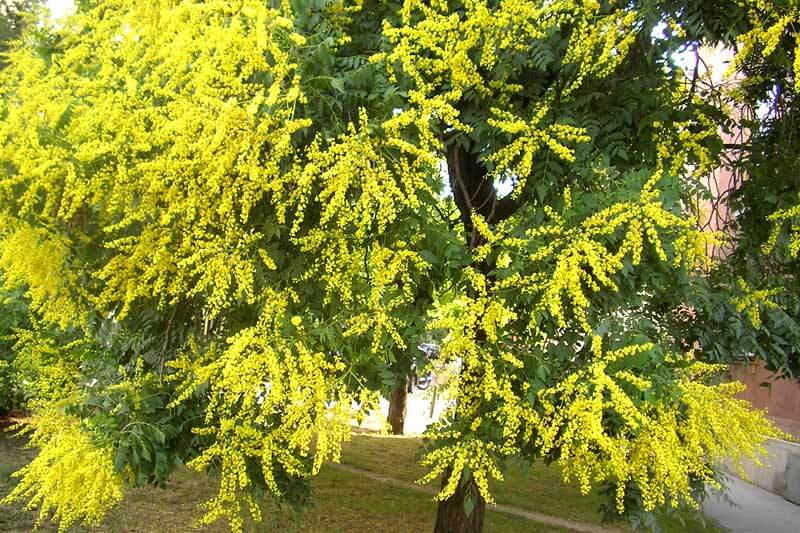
{"x":541,"y":490}
{"x":538,"y":488}
{"x":343,"y":501}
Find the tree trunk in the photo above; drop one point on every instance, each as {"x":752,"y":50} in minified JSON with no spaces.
{"x":473,"y":192}
{"x":452,"y":517}
{"x":397,"y":407}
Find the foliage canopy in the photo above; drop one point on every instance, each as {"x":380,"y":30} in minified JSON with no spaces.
{"x":230,"y":216}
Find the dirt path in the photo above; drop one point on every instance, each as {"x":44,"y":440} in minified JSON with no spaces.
{"x":508,"y":509}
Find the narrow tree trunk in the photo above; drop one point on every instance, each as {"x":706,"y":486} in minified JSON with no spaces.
{"x":397,"y":407}
{"x":452,"y":517}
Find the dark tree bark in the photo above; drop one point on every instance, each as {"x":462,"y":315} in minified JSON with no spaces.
{"x":397,"y":407}
{"x":451,"y":515}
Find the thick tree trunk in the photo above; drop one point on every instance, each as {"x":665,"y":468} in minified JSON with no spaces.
{"x":397,"y":407}
{"x":452,"y":516}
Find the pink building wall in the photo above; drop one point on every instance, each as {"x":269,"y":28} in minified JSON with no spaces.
{"x":781,"y":399}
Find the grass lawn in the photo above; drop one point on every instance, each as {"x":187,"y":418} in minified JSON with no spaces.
{"x":344,"y":501}
{"x":541,"y":489}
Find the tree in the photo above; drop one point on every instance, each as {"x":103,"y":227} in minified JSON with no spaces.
{"x":398,"y":376}
{"x":748,"y":305}
{"x":233,"y":216}
{"x":11,"y":18}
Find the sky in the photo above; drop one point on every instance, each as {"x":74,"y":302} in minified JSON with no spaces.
{"x":59,"y":8}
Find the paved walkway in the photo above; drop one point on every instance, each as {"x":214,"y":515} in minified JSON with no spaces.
{"x":758,"y":511}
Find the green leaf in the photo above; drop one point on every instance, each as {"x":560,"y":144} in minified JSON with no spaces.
{"x":338,"y":84}
{"x":430,"y":257}
{"x":469,"y":504}
{"x":121,"y":458}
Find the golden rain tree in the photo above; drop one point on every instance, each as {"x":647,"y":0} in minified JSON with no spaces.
{"x":232,"y":219}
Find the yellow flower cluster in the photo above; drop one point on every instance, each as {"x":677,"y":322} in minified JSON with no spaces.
{"x":488,"y":377}
{"x":530,"y":138}
{"x":444,"y":69}
{"x":661,"y":443}
{"x":49,"y":368}
{"x":472,"y":454}
{"x":358,"y":185}
{"x":166,"y":138}
{"x":770,"y":21}
{"x":752,"y":302}
{"x":661,"y":446}
{"x":71,"y":478}
{"x":432,"y":58}
{"x":35,"y":259}
{"x":390,"y":288}
{"x":682,"y":146}
{"x":359,"y":188}
{"x":791,"y":216}
{"x":173,"y":138}
{"x":273,"y":401}
{"x":599,"y":43}
{"x":584,"y":263}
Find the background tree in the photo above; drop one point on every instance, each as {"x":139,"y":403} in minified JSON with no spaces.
{"x":233,"y":217}
{"x":12,"y":19}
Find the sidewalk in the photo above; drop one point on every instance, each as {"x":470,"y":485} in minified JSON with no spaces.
{"x":758,"y":511}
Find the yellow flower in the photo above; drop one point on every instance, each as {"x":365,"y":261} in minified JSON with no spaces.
{"x":71,"y":478}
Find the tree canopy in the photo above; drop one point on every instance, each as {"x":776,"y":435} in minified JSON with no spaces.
{"x":230,"y":217}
